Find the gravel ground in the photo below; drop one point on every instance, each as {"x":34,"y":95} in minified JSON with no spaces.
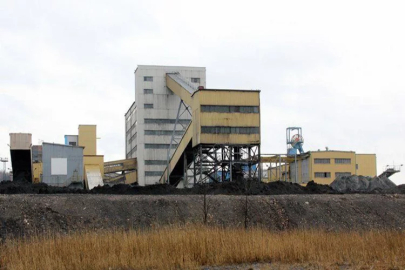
{"x":28,"y":214}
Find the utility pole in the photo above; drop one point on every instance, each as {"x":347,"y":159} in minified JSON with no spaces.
{"x":4,"y":160}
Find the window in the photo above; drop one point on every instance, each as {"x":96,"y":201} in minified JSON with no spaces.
{"x":148,"y":91}
{"x":322,"y":175}
{"x":148,"y":106}
{"x":153,"y":173}
{"x":227,"y":109}
{"x":322,"y":160}
{"x":165,"y":121}
{"x":343,"y":161}
{"x":163,"y":132}
{"x":159,"y":146}
{"x":229,"y":130}
{"x":195,"y":80}
{"x":148,"y":79}
{"x":155,"y":162}
{"x":72,"y":143}
{"x":339,"y":174}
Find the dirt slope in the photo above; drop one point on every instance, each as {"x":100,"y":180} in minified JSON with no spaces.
{"x":27,"y":214}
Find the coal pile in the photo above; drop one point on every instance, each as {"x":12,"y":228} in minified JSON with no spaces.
{"x":226,"y":188}
{"x":24,"y":187}
{"x":353,"y":184}
{"x":260,"y":188}
{"x":363,"y":184}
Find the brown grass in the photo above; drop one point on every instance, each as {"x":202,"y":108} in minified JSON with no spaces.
{"x":191,"y":247}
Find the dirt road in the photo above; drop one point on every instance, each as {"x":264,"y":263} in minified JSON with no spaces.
{"x":24,"y":214}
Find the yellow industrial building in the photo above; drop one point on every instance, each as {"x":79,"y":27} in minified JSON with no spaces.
{"x":222,"y":138}
{"x":321,"y":166}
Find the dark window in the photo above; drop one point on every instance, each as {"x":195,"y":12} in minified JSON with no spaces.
{"x":343,"y":161}
{"x":153,"y":173}
{"x":148,"y":106}
{"x":163,"y":132}
{"x":195,"y":80}
{"x":155,"y":162}
{"x":72,"y":143}
{"x":322,"y":160}
{"x":229,"y":130}
{"x":148,"y":79}
{"x":322,"y":175}
{"x":165,"y":121}
{"x":227,"y":109}
{"x":148,"y":91}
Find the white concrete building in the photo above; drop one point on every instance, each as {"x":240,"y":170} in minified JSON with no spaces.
{"x":150,"y":120}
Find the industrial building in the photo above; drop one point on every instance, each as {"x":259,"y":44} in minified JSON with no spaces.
{"x":180,"y":133}
{"x":150,"y":121}
{"x":322,"y":167}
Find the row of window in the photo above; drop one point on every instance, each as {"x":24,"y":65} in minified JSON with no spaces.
{"x":153,"y":173}
{"x":148,"y":106}
{"x":165,"y":121}
{"x":155,"y":162}
{"x":229,"y":109}
{"x":163,"y":132}
{"x":159,"y":146}
{"x":328,"y":174}
{"x":230,"y":130}
{"x":337,"y":161}
{"x":150,"y":79}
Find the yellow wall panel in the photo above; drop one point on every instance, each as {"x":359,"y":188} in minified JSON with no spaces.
{"x":228,"y":97}
{"x":88,"y":139}
{"x":37,"y":172}
{"x":333,"y":167}
{"x":131,"y":177}
{"x":367,"y":164}
{"x":230,"y":119}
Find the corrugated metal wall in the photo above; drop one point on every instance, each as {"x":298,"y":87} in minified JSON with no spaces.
{"x":74,"y":156}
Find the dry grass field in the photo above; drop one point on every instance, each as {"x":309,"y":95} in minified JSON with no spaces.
{"x":196,"y":246}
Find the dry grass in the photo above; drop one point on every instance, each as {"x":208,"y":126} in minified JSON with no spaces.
{"x":191,"y":247}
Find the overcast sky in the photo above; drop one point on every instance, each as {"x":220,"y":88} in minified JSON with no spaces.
{"x":335,"y":68}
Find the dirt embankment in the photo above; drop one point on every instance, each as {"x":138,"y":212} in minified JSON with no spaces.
{"x":29,"y":214}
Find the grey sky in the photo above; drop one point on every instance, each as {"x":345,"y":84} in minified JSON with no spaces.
{"x":335,"y":69}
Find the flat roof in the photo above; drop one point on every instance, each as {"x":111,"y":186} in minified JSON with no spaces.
{"x":225,"y":90}
{"x":333,"y":151}
{"x":162,"y":67}
{"x":59,"y":144}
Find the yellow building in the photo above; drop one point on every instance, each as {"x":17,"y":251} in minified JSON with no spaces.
{"x":93,"y":164}
{"x":223,"y":139}
{"x":324,"y":167}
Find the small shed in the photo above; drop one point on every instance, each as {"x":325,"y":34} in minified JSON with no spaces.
{"x":62,"y":165}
